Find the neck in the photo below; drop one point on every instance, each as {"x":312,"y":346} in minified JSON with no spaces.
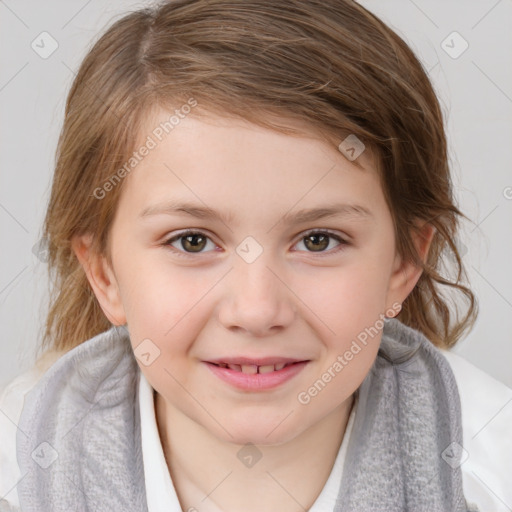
{"x":208,"y":476}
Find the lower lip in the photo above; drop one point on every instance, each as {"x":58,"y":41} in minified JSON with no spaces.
{"x":256,"y":381}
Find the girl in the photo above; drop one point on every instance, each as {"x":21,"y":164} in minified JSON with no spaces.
{"x":247,"y":229}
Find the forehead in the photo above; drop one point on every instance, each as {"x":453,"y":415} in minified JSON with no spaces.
{"x":204,"y":155}
{"x":161,"y":122}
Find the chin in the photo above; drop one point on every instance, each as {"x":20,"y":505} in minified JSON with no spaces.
{"x":261,"y":433}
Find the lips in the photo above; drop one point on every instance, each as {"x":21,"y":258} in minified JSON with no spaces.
{"x":256,"y":374}
{"x":253,"y":365}
{"x":251,"y":369}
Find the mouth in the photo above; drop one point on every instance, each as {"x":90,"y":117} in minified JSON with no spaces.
{"x":256,"y":375}
{"x":252,"y":369}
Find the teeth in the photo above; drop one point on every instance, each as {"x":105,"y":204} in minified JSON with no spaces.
{"x":250,"y":369}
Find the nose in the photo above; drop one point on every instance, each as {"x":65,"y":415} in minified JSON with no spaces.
{"x":257,"y":299}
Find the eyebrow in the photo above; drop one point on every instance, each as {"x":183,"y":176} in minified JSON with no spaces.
{"x":355,"y":211}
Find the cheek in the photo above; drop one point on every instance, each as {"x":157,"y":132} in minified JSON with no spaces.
{"x":157,"y":295}
{"x":348,"y":306}
{"x":348,"y":299}
{"x":341,"y":377}
{"x":163,"y":315}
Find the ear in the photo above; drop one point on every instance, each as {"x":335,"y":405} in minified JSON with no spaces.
{"x":101,"y":278}
{"x":405,"y":273}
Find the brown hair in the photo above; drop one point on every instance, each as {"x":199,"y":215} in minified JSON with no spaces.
{"x":328,"y":63}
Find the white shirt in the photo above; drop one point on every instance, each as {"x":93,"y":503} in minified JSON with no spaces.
{"x":486,"y":406}
{"x":487,"y":438}
{"x":160,"y":492}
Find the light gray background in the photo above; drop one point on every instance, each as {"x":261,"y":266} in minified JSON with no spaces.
{"x":475,"y":89}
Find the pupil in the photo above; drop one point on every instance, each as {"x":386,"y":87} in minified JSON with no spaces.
{"x":316,"y":242}
{"x":196,"y":245}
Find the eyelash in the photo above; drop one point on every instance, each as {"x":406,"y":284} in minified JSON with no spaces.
{"x":342,"y":242}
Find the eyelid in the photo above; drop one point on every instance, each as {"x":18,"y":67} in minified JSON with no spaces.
{"x":189,"y":231}
{"x":343,"y":240}
{"x":333,"y":233}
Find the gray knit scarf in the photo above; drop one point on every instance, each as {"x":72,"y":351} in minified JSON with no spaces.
{"x":79,"y":442}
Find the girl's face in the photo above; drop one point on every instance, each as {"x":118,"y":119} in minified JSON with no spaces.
{"x":291,"y":259}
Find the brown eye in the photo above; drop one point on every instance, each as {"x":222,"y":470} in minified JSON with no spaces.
{"x":316,"y":242}
{"x":190,"y":242}
{"x":193,"y":243}
{"x":320,"y":242}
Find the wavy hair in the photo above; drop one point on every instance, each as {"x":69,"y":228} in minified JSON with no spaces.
{"x":329,"y":63}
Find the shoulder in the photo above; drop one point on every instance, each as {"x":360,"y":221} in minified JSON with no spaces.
{"x":486,"y":409}
{"x":12,"y":397}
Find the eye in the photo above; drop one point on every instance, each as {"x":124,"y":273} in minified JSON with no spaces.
{"x":318,"y":241}
{"x":189,"y":242}
{"x":194,"y":242}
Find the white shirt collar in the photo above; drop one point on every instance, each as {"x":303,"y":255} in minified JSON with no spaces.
{"x":160,"y":492}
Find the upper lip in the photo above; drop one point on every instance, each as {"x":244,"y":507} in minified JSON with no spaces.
{"x":258,"y":361}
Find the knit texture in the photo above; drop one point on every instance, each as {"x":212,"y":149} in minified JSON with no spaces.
{"x":406,"y":442}
{"x":79,"y":444}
